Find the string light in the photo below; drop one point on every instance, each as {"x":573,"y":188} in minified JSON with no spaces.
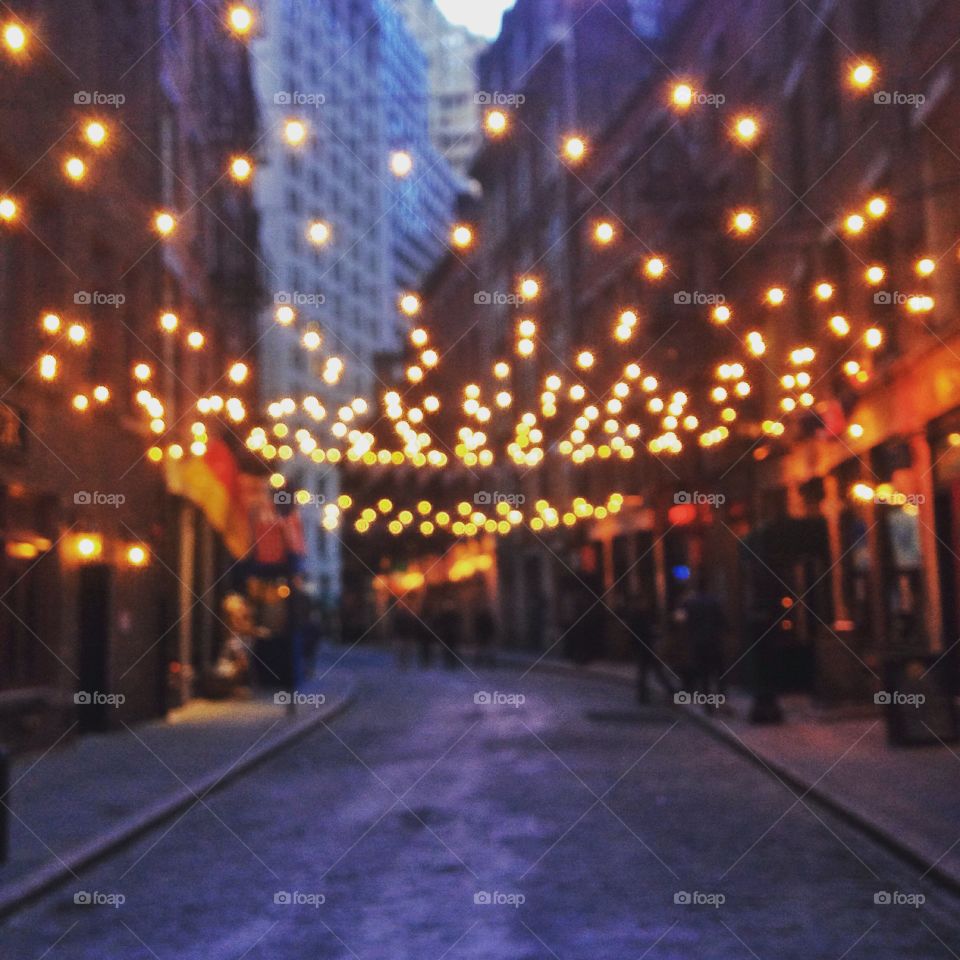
{"x":462,"y":236}
{"x":240,"y":18}
{"x":240,"y":169}
{"x":401,"y":163}
{"x":862,"y":75}
{"x":319,"y":232}
{"x":682,"y":96}
{"x":95,"y":133}
{"x":495,"y":122}
{"x":75,"y":168}
{"x":295,"y":132}
{"x":746,"y":129}
{"x":164,"y":223}
{"x":575,"y":149}
{"x":8,"y":208}
{"x":169,"y":322}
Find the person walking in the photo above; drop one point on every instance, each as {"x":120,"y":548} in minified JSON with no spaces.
{"x":640,"y":622}
{"x":706,"y":626}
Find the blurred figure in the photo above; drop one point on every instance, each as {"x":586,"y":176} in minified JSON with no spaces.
{"x":448,"y":625}
{"x":484,"y":637}
{"x":406,"y":628}
{"x":706,"y":625}
{"x":641,"y":623}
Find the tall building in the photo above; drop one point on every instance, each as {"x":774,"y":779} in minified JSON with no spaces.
{"x":342,"y":233}
{"x":455,"y":107}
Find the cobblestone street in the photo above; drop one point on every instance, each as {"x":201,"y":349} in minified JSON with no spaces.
{"x":546,"y":819}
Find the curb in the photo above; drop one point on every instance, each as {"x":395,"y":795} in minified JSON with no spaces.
{"x":849,"y":815}
{"x":23,"y":892}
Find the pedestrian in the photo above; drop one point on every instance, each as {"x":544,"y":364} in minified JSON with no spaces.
{"x":640,"y":622}
{"x":706,"y":626}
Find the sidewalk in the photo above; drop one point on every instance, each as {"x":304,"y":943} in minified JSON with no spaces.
{"x":91,"y":795}
{"x":907,"y":797}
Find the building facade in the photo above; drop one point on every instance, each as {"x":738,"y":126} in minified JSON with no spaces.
{"x":84,"y":280}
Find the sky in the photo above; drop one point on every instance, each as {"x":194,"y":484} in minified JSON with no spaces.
{"x":480,"y":16}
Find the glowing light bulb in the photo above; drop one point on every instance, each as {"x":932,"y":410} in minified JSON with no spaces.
{"x":75,"y":168}
{"x":48,"y":367}
{"x":682,"y":96}
{"x":873,"y":338}
{"x":926,"y":266}
{"x":585,"y":360}
{"x":575,"y":148}
{"x":854,"y":224}
{"x":240,"y":18}
{"x":101,"y":394}
{"x":80,"y":403}
{"x":722,"y":314}
{"x":877,"y":207}
{"x":655,"y":267}
{"x":529,"y":288}
{"x":195,"y":340}
{"x":824,"y":291}
{"x":776,"y":296}
{"x":239,"y":372}
{"x":8,"y":208}
{"x":142,"y":372}
{"x":743,"y":221}
{"x":319,"y":233}
{"x":496,"y":123}
{"x":165,"y":223}
{"x":410,"y":304}
{"x":51,"y":323}
{"x":604,"y":232}
{"x":840,"y":326}
{"x":169,"y":322}
{"x":295,"y":132}
{"x":95,"y":133}
{"x":15,"y":37}
{"x":77,"y":333}
{"x":875,"y":275}
{"x":462,"y":236}
{"x":862,"y":75}
{"x":285,"y":315}
{"x":401,"y":163}
{"x":746,"y":129}
{"x":240,"y":169}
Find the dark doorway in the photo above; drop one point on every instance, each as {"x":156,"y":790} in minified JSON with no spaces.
{"x":94,"y":628}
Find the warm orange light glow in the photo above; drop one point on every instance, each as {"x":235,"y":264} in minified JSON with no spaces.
{"x":95,"y":133}
{"x":240,"y":169}
{"x":862,"y":75}
{"x":410,"y":304}
{"x":496,"y":123}
{"x":746,"y":129}
{"x":295,"y":132}
{"x":462,"y":236}
{"x":164,"y":223}
{"x":575,"y":148}
{"x":319,"y":232}
{"x":682,"y":96}
{"x":75,"y":168}
{"x":240,"y":18}
{"x":401,"y":163}
{"x":8,"y":209}
{"x":655,"y":268}
{"x":195,"y":340}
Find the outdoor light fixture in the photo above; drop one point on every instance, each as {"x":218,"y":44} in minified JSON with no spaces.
{"x":746,"y":129}
{"x":240,"y":169}
{"x":165,"y":223}
{"x":14,"y":37}
{"x":410,"y":304}
{"x":319,"y":232}
{"x":95,"y":133}
{"x":295,"y":132}
{"x":575,"y":148}
{"x":462,"y":236}
{"x":862,"y":75}
{"x":496,"y":123}
{"x":75,"y":168}
{"x":240,"y":18}
{"x":401,"y":163}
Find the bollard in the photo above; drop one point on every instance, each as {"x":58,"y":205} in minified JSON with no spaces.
{"x":4,"y":809}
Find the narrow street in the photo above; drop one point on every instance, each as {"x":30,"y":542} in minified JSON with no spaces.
{"x":555,"y":821}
